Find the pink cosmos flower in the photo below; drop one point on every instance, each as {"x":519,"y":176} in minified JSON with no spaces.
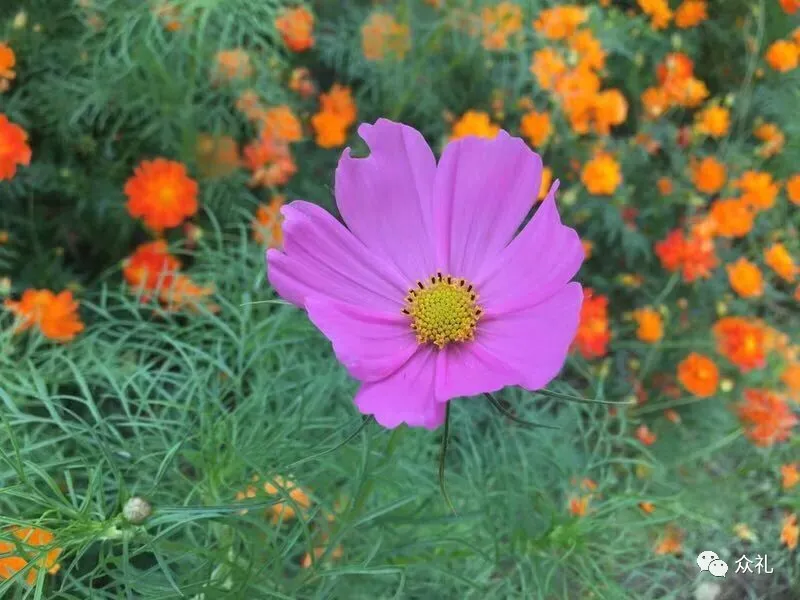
{"x":430,"y":293}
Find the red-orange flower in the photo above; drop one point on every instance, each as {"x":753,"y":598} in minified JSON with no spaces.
{"x":594,"y":332}
{"x":671,"y":541}
{"x":14,"y":149}
{"x":56,"y":315}
{"x":31,"y":540}
{"x":8,"y":61}
{"x":296,"y":26}
{"x":267,"y":223}
{"x":150,"y":266}
{"x":790,"y":6}
{"x":645,"y":436}
{"x":161,"y":193}
{"x":270,"y":160}
{"x":741,"y":341}
{"x":766,"y":417}
{"x":790,"y":475}
{"x":699,"y":375}
{"x":691,"y":13}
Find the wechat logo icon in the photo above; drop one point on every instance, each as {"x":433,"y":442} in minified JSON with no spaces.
{"x":709,"y":561}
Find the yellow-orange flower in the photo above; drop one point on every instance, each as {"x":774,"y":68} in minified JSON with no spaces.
{"x":536,"y":127}
{"x":280,"y":122}
{"x":267,"y":223}
{"x":745,"y":278}
{"x":650,"y":325}
{"x":589,"y":50}
{"x":474,"y":122}
{"x":31,"y":540}
{"x":55,"y":315}
{"x":232,"y":64}
{"x":793,"y":188}
{"x":732,"y":217}
{"x":713,"y":121}
{"x":766,"y":416}
{"x":758,"y":189}
{"x":161,"y":193}
{"x":691,"y":13}
{"x":664,"y":185}
{"x":339,"y":101}
{"x":14,"y":149}
{"x":790,"y":532}
{"x":699,"y":375}
{"x":655,"y":102}
{"x":779,"y":260}
{"x":183,"y":293}
{"x":601,"y":175}
{"x":708,"y":175}
{"x":560,"y":22}
{"x":610,"y":109}
{"x":782,"y":55}
{"x":296,"y":26}
{"x":547,"y":181}
{"x":658,"y":11}
{"x":382,"y":36}
{"x":500,"y":22}
{"x":579,"y":505}
{"x":284,"y":511}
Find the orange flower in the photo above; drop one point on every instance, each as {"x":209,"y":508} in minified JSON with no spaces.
{"x":790,"y":532}
{"x":713,"y":121}
{"x":579,"y":505}
{"x":708,"y":175}
{"x":499,"y":23}
{"x":691,"y":13}
{"x":284,"y":511}
{"x":31,"y":539}
{"x":560,"y":22}
{"x":741,"y":342}
{"x":766,"y":416}
{"x":670,"y":542}
{"x":779,"y":260}
{"x":217,"y":156}
{"x":790,"y":6}
{"x":610,"y":109}
{"x":281,"y":123}
{"x":339,"y":101}
{"x":732,"y":217}
{"x":231,"y":65}
{"x":270,"y":161}
{"x":296,"y":26}
{"x":651,"y":325}
{"x":655,"y":101}
{"x":150,"y":266}
{"x":267,"y":223}
{"x":782,"y":55}
{"x":664,"y":185}
{"x":670,"y":250}
{"x":577,"y":90}
{"x":161,"y":193}
{"x":330,"y":129}
{"x":56,"y":315}
{"x":647,"y":507}
{"x":594,"y":333}
{"x":589,"y":50}
{"x":14,"y":149}
{"x":548,"y":67}
{"x":699,"y":375}
{"x":675,"y":70}
{"x":745,"y":278}
{"x":382,"y":36}
{"x":758,"y":189}
{"x":182,"y":293}
{"x":773,"y":139}
{"x":334,"y":554}
{"x":658,"y":11}
{"x":536,"y":127}
{"x":793,"y":188}
{"x":790,"y":475}
{"x":601,"y":175}
{"x":547,"y":181}
{"x":8,"y":61}
{"x":474,"y":122}
{"x":645,"y":436}
{"x":791,"y":379}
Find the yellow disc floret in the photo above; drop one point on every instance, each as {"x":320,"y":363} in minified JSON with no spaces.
{"x":443,"y":309}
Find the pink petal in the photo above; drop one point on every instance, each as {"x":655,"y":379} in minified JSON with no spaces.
{"x":526,"y":347}
{"x":386,"y":198}
{"x":321,"y":258}
{"x":483,"y":190}
{"x":406,"y":396}
{"x":371,"y":345}
{"x":535,"y":265}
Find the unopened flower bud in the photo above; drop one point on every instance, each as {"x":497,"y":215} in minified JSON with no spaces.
{"x":136,"y":510}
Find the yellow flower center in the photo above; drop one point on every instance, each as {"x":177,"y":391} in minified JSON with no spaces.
{"x":443,"y":309}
